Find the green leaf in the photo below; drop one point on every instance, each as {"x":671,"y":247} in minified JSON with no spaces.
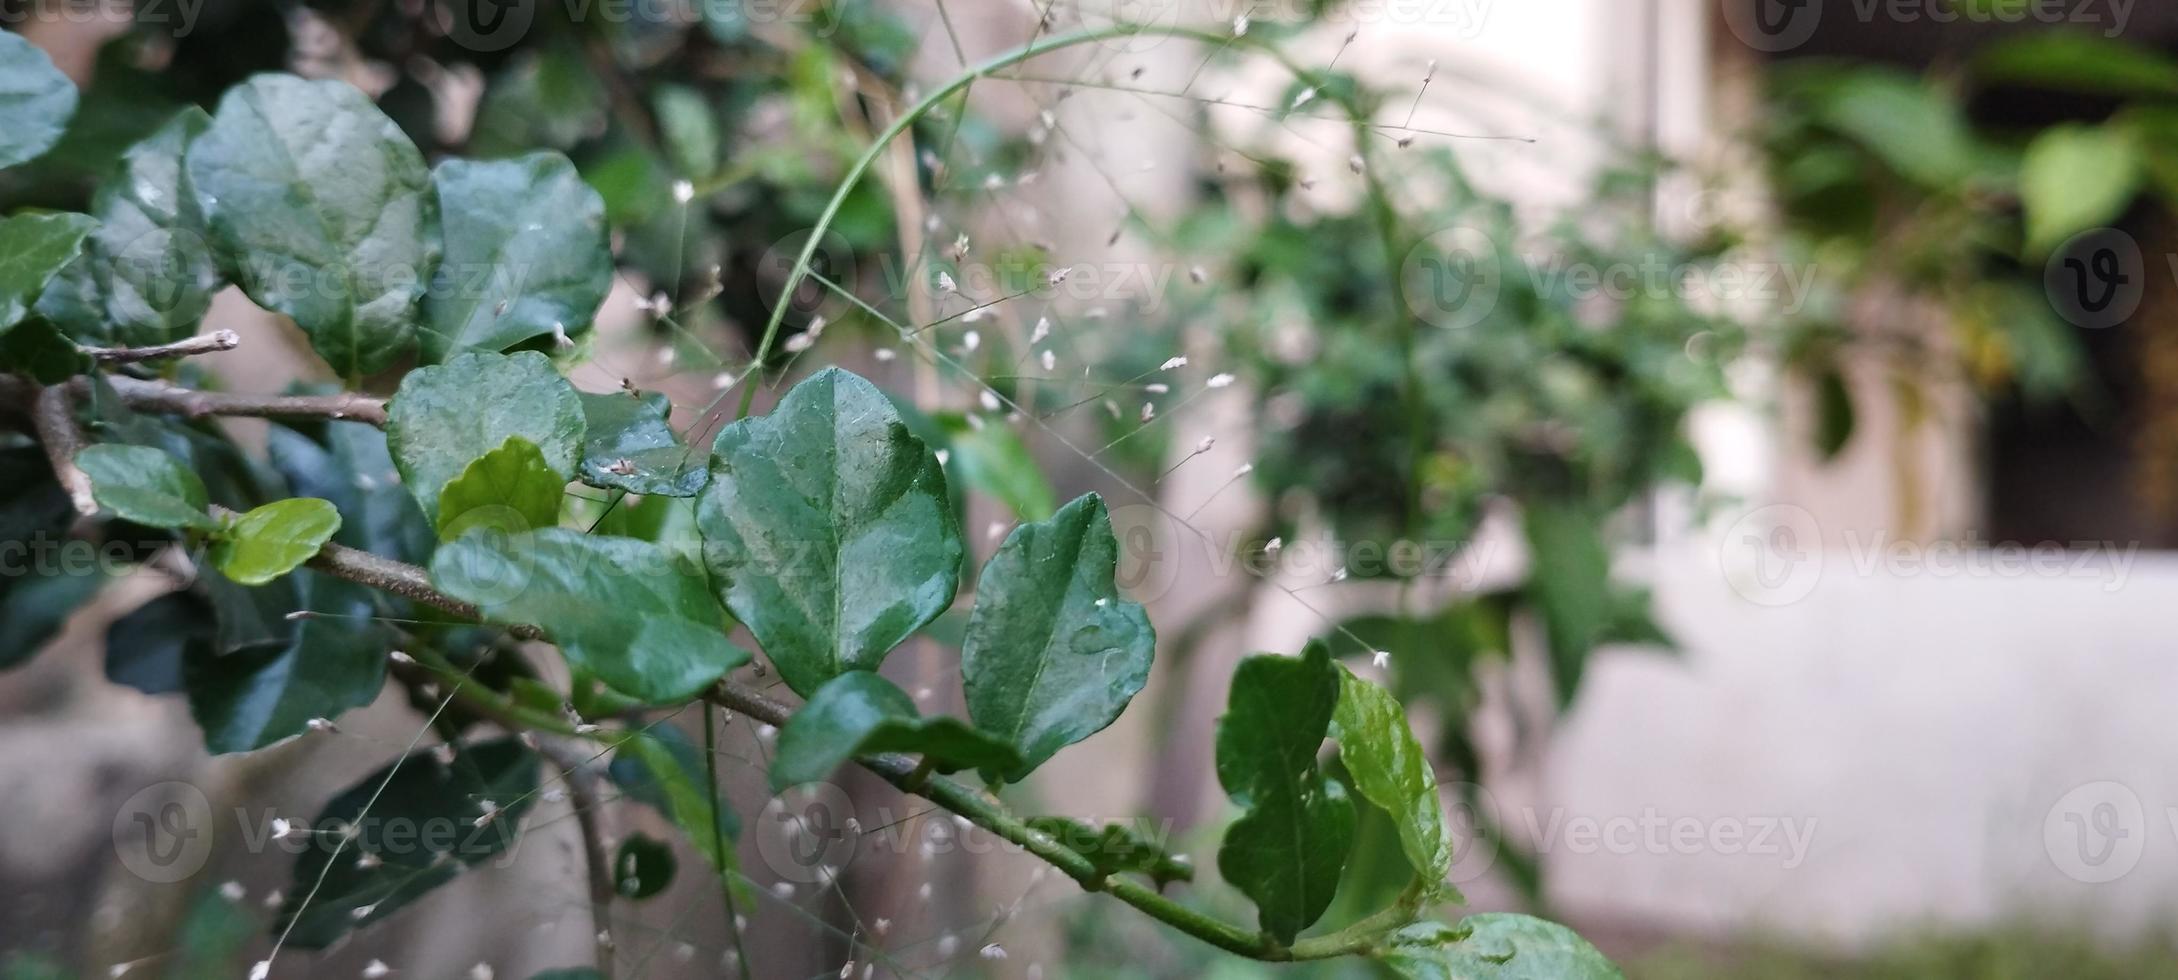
{"x":642,"y":867}
{"x":272,"y":540}
{"x":1053,"y":653}
{"x":330,"y":663}
{"x":631,"y":612}
{"x":34,"y":607}
{"x":147,"y":274}
{"x":1389,"y":769}
{"x":33,"y":249}
{"x":324,"y":211}
{"x":1570,"y":584}
{"x":427,"y":819}
{"x":36,"y":348}
{"x":1834,"y":418}
{"x":630,"y":445}
{"x":2078,"y":62}
{"x":36,"y":101}
{"x":1496,"y":946}
{"x":827,"y":528}
{"x":145,"y":649}
{"x":547,"y":97}
{"x":860,"y":713}
{"x":145,"y":485}
{"x":348,"y":464}
{"x":1919,"y":132}
{"x":661,"y":768}
{"x":526,"y":255}
{"x":1116,"y":848}
{"x":2073,"y":178}
{"x":1286,"y":852}
{"x":446,"y":415}
{"x":509,"y":489}
{"x":992,"y":459}
{"x":688,"y":128}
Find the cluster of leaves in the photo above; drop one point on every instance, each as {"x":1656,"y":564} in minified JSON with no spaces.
{"x":827,"y":529}
{"x":1888,"y":179}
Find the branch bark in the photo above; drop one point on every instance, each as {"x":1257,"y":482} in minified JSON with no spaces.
{"x":575,"y":770}
{"x":217,"y":340}
{"x":53,"y":415}
{"x":171,"y":399}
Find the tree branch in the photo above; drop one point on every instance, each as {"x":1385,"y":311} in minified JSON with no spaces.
{"x":53,"y":415}
{"x":217,"y":340}
{"x":581,"y":779}
{"x":171,"y":399}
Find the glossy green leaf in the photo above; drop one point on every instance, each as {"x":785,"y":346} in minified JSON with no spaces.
{"x":272,"y":540}
{"x":348,"y":464}
{"x":1116,"y":848}
{"x":328,"y":664}
{"x":860,"y":713}
{"x":642,"y":867}
{"x":636,"y":615}
{"x":2074,"y":178}
{"x":33,"y":249}
{"x":827,"y":530}
{"x":427,"y":819}
{"x":631,"y":445}
{"x":145,"y":649}
{"x":147,"y":274}
{"x":1495,"y":946}
{"x":449,"y":414}
{"x":145,"y":485}
{"x":509,"y":489}
{"x":36,"y":101}
{"x":1285,"y":853}
{"x":1053,"y":653}
{"x":662,"y":768}
{"x":1389,"y":769}
{"x":526,"y":255}
{"x":323,"y":209}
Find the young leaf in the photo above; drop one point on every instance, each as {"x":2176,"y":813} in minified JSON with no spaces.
{"x":36,"y":101}
{"x":631,"y":446}
{"x":145,"y":485}
{"x":526,"y":254}
{"x":659,"y":767}
{"x":33,"y":249}
{"x":270,"y":541}
{"x":449,"y":414}
{"x":2073,"y":178}
{"x":1286,"y":852}
{"x":1116,"y":848}
{"x":992,"y":459}
{"x":642,"y":867}
{"x":826,"y":525}
{"x":1499,"y":945}
{"x":1390,"y":770}
{"x":1053,"y":653}
{"x":330,"y":663}
{"x":860,"y":713}
{"x":628,"y":611}
{"x":426,"y":820}
{"x":324,"y":211}
{"x":147,"y":274}
{"x":509,"y":489}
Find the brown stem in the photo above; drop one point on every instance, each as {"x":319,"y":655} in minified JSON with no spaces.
{"x":54,"y":417}
{"x":217,"y":340}
{"x":170,"y":399}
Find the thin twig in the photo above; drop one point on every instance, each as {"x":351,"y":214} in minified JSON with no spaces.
{"x":211,"y":343}
{"x":158,"y":396}
{"x":54,"y":416}
{"x":582,"y":794}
